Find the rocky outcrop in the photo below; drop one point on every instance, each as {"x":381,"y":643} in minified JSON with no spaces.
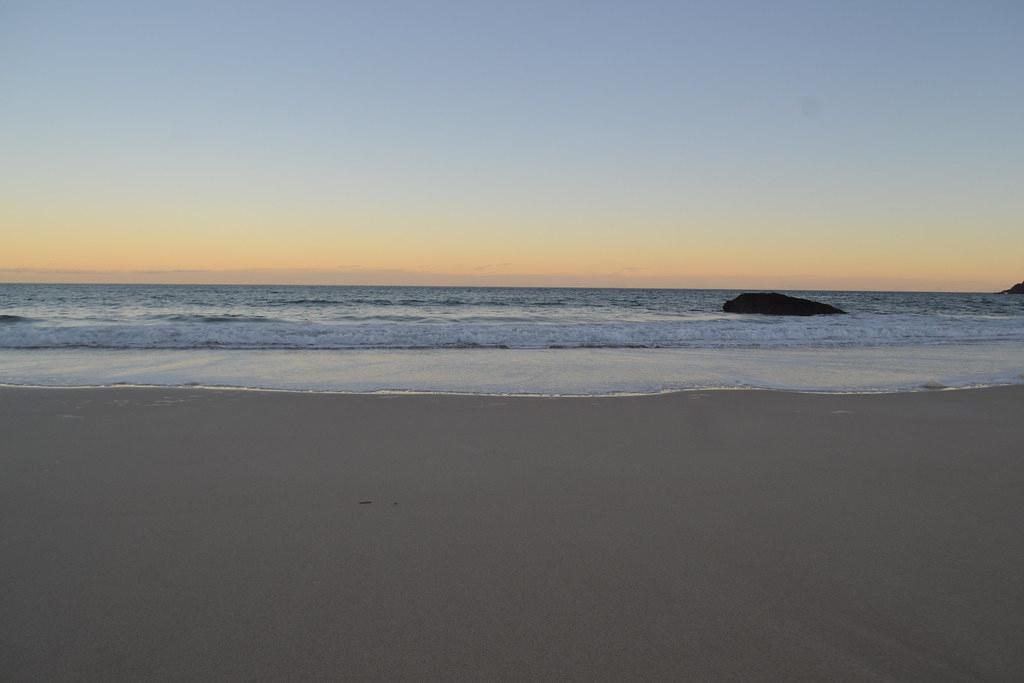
{"x":777,"y":304}
{"x":1016,"y":289}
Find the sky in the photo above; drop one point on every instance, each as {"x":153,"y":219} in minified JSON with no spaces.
{"x":846,"y":145}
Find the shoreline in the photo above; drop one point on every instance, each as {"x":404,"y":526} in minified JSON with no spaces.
{"x":562,"y":372}
{"x":926,"y":389}
{"x":170,"y":533}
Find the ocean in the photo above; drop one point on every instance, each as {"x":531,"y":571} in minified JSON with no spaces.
{"x":499,"y":340}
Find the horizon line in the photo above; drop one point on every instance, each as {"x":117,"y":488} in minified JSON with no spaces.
{"x":464,"y":286}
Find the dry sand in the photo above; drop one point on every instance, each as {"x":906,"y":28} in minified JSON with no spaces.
{"x":154,"y":534}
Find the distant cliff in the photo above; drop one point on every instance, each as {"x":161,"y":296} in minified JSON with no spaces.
{"x":1016,"y":289}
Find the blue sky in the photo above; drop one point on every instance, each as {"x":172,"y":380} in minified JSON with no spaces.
{"x":518,"y":127}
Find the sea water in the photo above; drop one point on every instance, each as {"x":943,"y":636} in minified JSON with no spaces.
{"x":499,"y":340}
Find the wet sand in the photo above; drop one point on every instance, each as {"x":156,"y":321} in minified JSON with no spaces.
{"x":177,"y":534}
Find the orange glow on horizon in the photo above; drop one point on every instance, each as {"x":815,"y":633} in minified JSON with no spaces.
{"x":195,"y":243}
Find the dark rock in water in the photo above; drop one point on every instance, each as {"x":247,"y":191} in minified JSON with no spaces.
{"x":1016,"y":289}
{"x":777,"y":304}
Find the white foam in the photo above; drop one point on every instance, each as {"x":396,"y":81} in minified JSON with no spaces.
{"x":530,"y":372}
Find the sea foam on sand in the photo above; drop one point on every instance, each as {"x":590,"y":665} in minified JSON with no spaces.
{"x":521,"y":371}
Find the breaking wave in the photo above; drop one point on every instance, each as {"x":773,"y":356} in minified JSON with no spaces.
{"x":256,"y":332}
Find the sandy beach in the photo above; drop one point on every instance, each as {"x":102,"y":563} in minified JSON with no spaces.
{"x":188,"y":534}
